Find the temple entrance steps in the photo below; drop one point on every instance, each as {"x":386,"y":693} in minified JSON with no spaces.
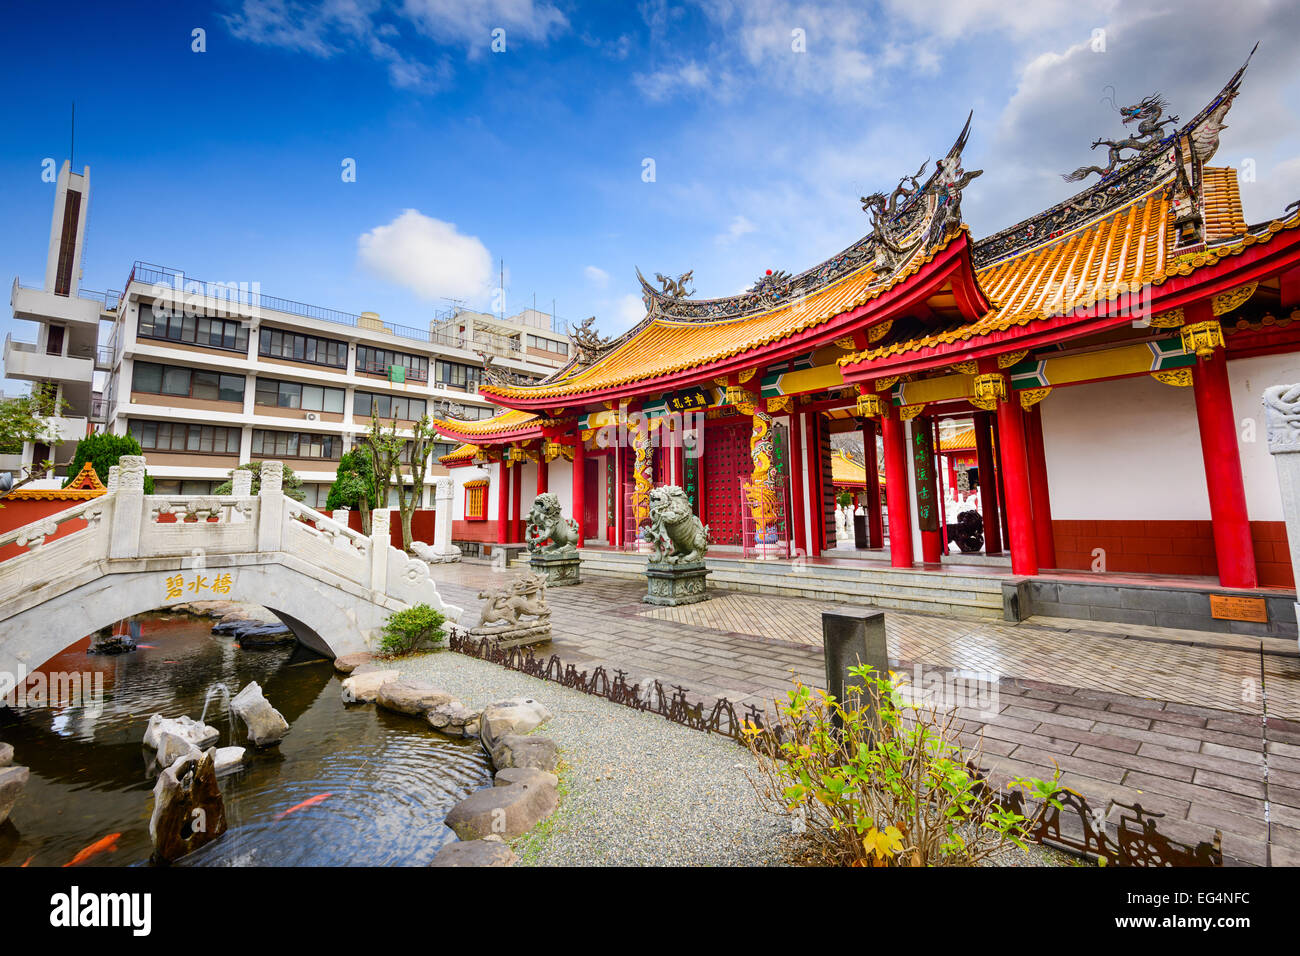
{"x":936,"y":592}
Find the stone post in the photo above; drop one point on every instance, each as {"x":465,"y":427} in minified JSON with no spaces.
{"x":341,"y":516}
{"x":380,"y":541}
{"x":443,"y":489}
{"x":271,"y":510}
{"x":1282,"y":415}
{"x":241,"y":484}
{"x":851,"y":640}
{"x":114,"y":479}
{"x":128,"y":508}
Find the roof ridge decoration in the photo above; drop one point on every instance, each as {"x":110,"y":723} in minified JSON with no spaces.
{"x":1155,"y":162}
{"x":915,"y":219}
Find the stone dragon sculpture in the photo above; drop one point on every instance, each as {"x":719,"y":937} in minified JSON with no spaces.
{"x":677,"y":288}
{"x":589,"y":345}
{"x":548,"y":532}
{"x":1148,"y":113}
{"x":675,"y":534}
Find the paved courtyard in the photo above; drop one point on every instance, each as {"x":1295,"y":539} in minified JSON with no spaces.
{"x":1202,"y":727}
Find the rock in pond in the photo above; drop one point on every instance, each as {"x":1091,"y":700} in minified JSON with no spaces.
{"x":188,"y":810}
{"x":173,"y":737}
{"x":514,"y":750}
{"x":516,"y":715}
{"x":363,"y":688}
{"x":6,"y":754}
{"x":455,"y":719}
{"x":228,"y":760}
{"x":347,"y":663}
{"x":506,"y":812}
{"x":266,"y":725}
{"x":13,"y":779}
{"x":475,"y":853}
{"x":412,"y":697}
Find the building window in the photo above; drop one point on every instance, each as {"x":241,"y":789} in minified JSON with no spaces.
{"x":407,"y":409}
{"x":441,"y":448}
{"x":187,"y":383}
{"x":226,"y":334}
{"x":456,"y":374}
{"x":183,"y":437}
{"x":379,"y":361}
{"x":548,"y":345}
{"x":277,"y":444}
{"x":311,"y":349}
{"x":311,"y":398}
{"x":476,"y":500}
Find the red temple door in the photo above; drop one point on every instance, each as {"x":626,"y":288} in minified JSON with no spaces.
{"x":591,"y":500}
{"x":726,"y":466}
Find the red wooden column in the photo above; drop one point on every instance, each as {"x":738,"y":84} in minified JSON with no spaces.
{"x":580,"y":489}
{"x":875,"y":525}
{"x":516,"y":503}
{"x":1015,"y":479}
{"x":988,"y":483}
{"x":503,"y":502}
{"x":900,"y":513}
{"x":1044,"y":538}
{"x":812,"y":454}
{"x":543,"y":468}
{"x":1214,"y":415}
{"x":796,"y":483}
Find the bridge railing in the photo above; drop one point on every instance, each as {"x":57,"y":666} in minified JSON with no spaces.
{"x":127,"y":525}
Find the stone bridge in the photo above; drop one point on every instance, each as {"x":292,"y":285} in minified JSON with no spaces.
{"x":126,"y":553}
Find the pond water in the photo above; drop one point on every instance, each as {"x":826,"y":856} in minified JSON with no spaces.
{"x":383,"y":782}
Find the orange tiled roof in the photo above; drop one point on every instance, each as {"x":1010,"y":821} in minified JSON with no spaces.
{"x":508,"y":421}
{"x":963,"y":439}
{"x":459,"y":454}
{"x":846,"y":471}
{"x":1223,"y":213}
{"x":83,"y":487}
{"x":1120,"y":251}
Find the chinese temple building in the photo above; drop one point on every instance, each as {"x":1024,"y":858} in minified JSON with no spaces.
{"x":1098,"y":360}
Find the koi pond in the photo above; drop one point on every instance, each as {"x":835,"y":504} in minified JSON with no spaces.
{"x":349,"y":785}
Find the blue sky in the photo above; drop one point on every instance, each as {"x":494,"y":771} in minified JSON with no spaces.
{"x":227,"y":163}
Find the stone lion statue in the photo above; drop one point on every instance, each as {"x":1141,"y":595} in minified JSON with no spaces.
{"x":525,"y":596}
{"x":676,"y":536}
{"x":548,"y":532}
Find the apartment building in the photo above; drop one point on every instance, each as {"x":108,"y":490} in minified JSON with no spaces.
{"x":210,"y":375}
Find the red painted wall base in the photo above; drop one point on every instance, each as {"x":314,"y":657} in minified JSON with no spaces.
{"x":1168,"y":547}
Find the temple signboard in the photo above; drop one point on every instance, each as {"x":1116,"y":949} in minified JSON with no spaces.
{"x":1228,"y":607}
{"x":927,"y":509}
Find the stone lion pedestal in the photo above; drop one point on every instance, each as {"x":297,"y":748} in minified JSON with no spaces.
{"x":671,"y":585}
{"x":675,"y":573}
{"x":552,"y":543}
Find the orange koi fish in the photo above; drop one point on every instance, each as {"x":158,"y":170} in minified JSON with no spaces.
{"x":309,"y":802}
{"x":106,"y":844}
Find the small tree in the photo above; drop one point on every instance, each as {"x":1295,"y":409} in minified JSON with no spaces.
{"x":409,"y":630}
{"x":390,"y":449}
{"x":30,"y":418}
{"x":103,"y":451}
{"x":291,"y":483}
{"x":354,"y":484}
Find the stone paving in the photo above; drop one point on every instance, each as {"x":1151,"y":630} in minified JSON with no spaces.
{"x":1172,"y":719}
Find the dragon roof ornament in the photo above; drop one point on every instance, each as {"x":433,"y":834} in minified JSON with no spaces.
{"x":913,"y":217}
{"x":1124,"y":179}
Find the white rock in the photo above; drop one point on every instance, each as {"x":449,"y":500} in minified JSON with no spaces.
{"x":174,"y":736}
{"x":364,"y":688}
{"x":229,"y":759}
{"x":266,"y":725}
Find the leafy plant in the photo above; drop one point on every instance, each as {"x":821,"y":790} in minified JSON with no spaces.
{"x":393,"y":452}
{"x":875,"y":781}
{"x":844,"y":498}
{"x":290,"y":483}
{"x":30,"y":418}
{"x":354,"y":485}
{"x":103,"y":450}
{"x":411,"y":629}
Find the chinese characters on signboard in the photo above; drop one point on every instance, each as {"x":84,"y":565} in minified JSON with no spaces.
{"x":927,"y":507}
{"x":196,"y":584}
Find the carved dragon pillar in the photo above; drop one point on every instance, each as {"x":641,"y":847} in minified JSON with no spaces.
{"x":642,"y":467}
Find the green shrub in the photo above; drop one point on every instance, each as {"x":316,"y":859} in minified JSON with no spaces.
{"x":875,"y":781}
{"x":103,"y":450}
{"x":412,"y":629}
{"x":290,"y":483}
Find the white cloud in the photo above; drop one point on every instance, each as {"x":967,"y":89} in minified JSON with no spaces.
{"x":739,"y":226}
{"x":428,"y":256}
{"x":630,"y":310}
{"x":688,"y":76}
{"x":596,"y":276}
{"x":471,"y":24}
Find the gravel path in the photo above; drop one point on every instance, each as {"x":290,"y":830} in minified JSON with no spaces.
{"x":636,"y":790}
